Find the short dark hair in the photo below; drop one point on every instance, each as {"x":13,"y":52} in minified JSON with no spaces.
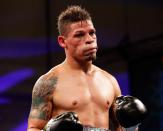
{"x":72,"y":14}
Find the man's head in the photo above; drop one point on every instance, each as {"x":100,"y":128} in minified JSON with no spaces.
{"x":70,"y":15}
{"x":77,"y":34}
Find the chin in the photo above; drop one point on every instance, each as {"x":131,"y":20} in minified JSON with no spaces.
{"x":91,"y":58}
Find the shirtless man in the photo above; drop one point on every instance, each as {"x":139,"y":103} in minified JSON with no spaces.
{"x":76,"y":84}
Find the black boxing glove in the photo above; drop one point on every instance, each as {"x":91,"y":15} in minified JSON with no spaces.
{"x":130,"y":111}
{"x":65,"y":122}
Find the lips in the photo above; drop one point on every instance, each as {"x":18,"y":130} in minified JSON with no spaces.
{"x":90,"y":51}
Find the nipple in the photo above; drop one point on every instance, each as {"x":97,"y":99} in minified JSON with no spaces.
{"x":108,"y":103}
{"x":74,"y":103}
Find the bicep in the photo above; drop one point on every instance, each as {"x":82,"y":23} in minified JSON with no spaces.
{"x":116,"y":87}
{"x":113,"y":123}
{"x":40,"y":112}
{"x":114,"y":82}
{"x":39,"y":117}
{"x":41,"y":107}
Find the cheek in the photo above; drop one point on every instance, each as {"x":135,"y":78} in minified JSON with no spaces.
{"x":76,"y":46}
{"x":74,"y":49}
{"x":79,"y":49}
{"x":74,"y":43}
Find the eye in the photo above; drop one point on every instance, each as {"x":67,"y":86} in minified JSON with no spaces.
{"x":91,"y":33}
{"x":79,"y":35}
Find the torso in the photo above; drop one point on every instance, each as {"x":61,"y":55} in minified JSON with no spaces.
{"x":90,"y":96}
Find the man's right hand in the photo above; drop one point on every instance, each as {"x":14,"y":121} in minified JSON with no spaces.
{"x":65,"y":122}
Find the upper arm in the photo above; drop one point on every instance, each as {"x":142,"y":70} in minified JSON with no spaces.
{"x":41,"y":106}
{"x":113,"y":123}
{"x":116,"y":87}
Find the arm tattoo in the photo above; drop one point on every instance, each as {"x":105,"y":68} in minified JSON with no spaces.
{"x":41,"y":106}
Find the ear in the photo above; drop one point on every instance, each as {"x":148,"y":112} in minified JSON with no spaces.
{"x":61,"y":41}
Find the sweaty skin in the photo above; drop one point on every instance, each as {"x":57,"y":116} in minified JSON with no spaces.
{"x":76,"y":84}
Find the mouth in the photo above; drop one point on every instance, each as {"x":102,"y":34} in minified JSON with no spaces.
{"x":90,"y":51}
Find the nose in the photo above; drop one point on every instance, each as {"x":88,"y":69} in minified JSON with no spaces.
{"x":89,"y":39}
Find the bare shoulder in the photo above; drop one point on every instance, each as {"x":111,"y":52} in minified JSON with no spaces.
{"x":46,"y":84}
{"x":112,"y":79}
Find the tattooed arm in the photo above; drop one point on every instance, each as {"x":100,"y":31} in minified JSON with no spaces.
{"x":41,"y":107}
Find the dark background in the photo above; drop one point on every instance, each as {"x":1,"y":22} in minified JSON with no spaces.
{"x":130,"y":39}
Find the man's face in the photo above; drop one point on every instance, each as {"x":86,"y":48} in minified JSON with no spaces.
{"x":80,"y":41}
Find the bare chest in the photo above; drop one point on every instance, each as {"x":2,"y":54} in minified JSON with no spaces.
{"x":77,"y":93}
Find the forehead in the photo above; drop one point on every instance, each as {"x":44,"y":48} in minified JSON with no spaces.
{"x":81,"y":26}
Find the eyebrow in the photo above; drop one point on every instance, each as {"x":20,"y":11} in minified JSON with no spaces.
{"x":81,"y":31}
{"x":93,"y":30}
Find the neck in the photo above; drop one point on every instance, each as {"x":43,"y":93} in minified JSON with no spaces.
{"x":84,"y":66}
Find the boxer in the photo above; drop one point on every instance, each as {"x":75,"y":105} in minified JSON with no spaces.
{"x":75,"y":85}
